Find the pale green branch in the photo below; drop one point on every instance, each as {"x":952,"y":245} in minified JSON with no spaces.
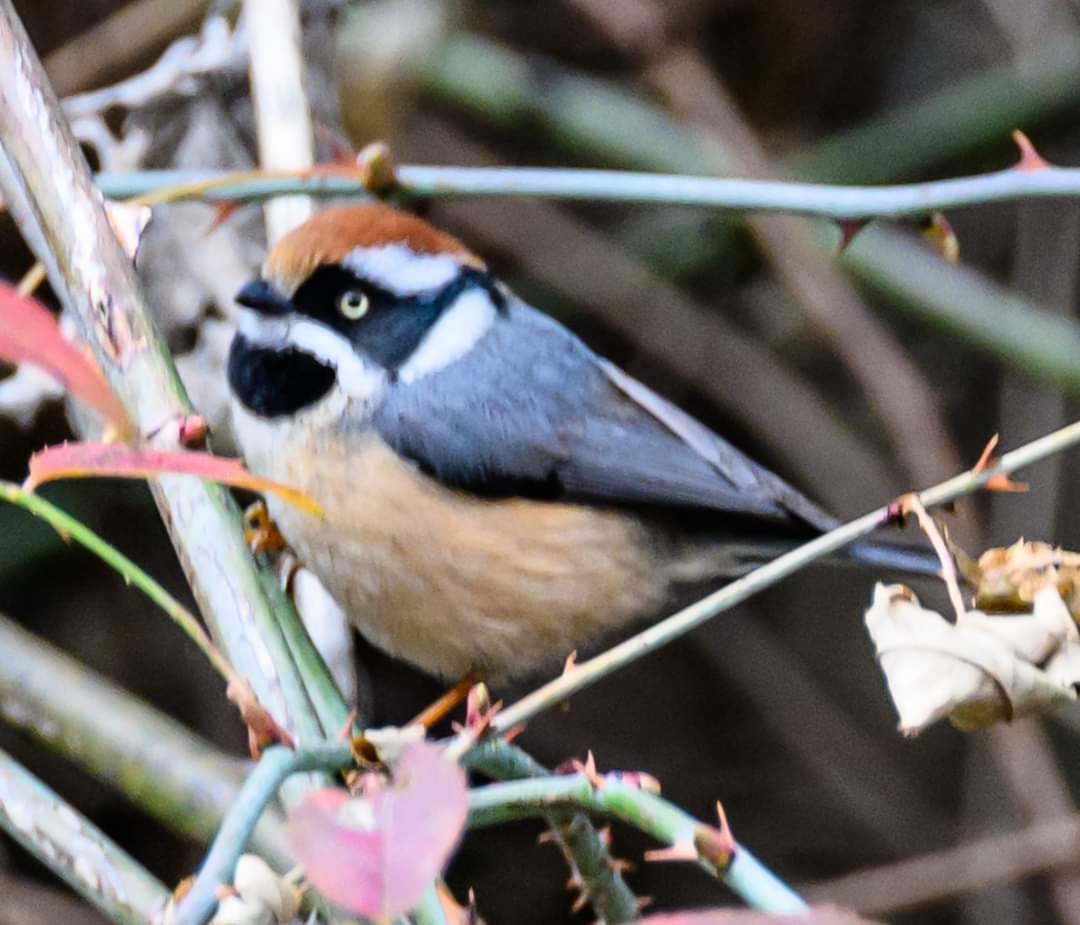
{"x":740,"y":870}
{"x":814,"y":200}
{"x":167,"y":771}
{"x":274,"y":768}
{"x":75,"y":849}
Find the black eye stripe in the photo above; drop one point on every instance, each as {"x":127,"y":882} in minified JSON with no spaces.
{"x":393,"y":326}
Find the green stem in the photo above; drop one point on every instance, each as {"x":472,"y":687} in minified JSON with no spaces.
{"x":814,"y":200}
{"x":76,"y":850}
{"x":67,"y":526}
{"x":322,"y":691}
{"x":585,"y":851}
{"x":741,"y":871}
{"x":276,"y":765}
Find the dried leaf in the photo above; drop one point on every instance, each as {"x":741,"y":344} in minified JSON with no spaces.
{"x":30,"y":334}
{"x":86,"y":460}
{"x":1007,"y":579}
{"x":981,"y":670}
{"x":375,"y":854}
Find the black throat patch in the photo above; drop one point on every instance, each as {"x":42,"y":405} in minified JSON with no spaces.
{"x":277,"y":382}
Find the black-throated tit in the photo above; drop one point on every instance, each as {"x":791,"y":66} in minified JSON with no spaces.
{"x":495,"y":492}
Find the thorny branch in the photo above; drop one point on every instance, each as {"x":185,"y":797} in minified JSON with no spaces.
{"x":814,"y":200}
{"x":584,"y":674}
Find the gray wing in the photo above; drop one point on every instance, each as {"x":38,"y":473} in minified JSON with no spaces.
{"x":531,"y":410}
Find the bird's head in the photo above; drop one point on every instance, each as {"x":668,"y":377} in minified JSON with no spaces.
{"x":358,"y":297}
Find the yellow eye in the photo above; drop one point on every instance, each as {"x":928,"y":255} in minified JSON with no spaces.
{"x":353,"y":304}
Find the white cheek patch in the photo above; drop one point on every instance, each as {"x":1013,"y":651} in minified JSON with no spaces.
{"x":452,"y":336}
{"x":398,"y":269}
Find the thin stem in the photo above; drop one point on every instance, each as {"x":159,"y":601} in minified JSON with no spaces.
{"x":585,"y":851}
{"x":261,"y":786}
{"x":842,"y":203}
{"x":740,"y":870}
{"x":587,"y":673}
{"x":75,"y":849}
{"x":68,"y":527}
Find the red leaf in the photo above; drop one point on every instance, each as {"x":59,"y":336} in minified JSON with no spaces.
{"x":374,"y":855}
{"x":85,"y":460}
{"x":29,"y":334}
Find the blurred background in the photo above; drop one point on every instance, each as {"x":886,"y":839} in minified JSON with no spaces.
{"x":856,"y":376}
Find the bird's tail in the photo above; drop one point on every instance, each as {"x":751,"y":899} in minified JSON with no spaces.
{"x":895,"y":557}
{"x":701,"y":561}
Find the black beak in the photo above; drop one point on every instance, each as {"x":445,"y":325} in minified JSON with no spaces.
{"x":263,"y":297}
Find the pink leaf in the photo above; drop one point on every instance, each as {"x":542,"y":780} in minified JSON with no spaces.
{"x":29,"y":334}
{"x":375,"y":854}
{"x":84,"y":460}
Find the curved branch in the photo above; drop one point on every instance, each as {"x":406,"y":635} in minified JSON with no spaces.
{"x":275,"y":766}
{"x":734,"y":864}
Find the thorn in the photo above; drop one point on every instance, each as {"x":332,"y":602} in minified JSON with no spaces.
{"x":849,"y":228}
{"x":547,"y":837}
{"x":676,"y":852}
{"x":621,"y":865}
{"x":224,"y":891}
{"x":987,"y":454}
{"x":721,"y":817}
{"x":223,"y":211}
{"x":604,"y":835}
{"x":345,"y":732}
{"x":1030,"y":159}
{"x":1000,"y":482}
{"x":643,"y":902}
{"x":571,"y":663}
{"x":472,"y":911}
{"x":579,"y":903}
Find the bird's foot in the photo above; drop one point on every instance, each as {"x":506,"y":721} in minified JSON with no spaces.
{"x":260,"y":532}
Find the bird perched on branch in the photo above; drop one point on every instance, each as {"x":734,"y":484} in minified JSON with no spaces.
{"x":496,"y":494}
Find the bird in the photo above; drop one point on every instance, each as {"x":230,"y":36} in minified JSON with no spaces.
{"x":496,"y":495}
